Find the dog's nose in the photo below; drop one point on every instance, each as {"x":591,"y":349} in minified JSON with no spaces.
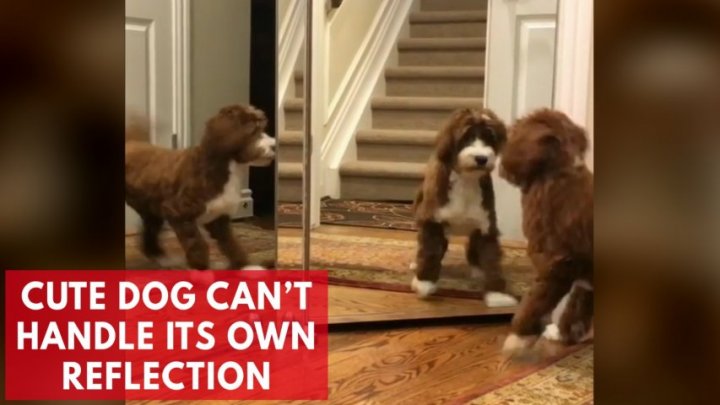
{"x":481,"y":160}
{"x":273,"y":148}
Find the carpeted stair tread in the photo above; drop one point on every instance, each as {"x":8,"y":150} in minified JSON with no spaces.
{"x":396,"y":137}
{"x":441,"y":43}
{"x":448,"y":16}
{"x":290,"y":170}
{"x":369,"y":168}
{"x":291,"y":137}
{"x":444,"y":5}
{"x":294,"y":104}
{"x":425,"y":103}
{"x":433,"y":72}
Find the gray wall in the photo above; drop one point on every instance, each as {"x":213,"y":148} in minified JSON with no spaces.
{"x":220,"y":58}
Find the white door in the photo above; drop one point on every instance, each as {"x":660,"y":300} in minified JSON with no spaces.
{"x":149,"y":72}
{"x":520,"y":77}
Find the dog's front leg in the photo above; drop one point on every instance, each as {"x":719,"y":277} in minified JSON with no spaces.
{"x":576,"y":320}
{"x":547,"y":291}
{"x":196,"y":249}
{"x":484,"y":254}
{"x":221,"y":230}
{"x":432,"y":245}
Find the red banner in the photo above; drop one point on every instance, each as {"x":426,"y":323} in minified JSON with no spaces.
{"x":161,"y":335}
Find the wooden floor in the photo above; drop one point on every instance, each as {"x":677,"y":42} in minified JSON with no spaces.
{"x":416,"y":365}
{"x":348,"y":305}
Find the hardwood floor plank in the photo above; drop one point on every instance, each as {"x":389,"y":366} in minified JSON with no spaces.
{"x":348,"y":304}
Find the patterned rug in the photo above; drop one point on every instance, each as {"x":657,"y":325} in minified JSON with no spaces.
{"x":258,"y":242}
{"x":382,"y":263}
{"x":373,"y":214}
{"x":567,"y":381}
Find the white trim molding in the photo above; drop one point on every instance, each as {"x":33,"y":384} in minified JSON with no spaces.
{"x":291,"y":38}
{"x":574,"y":70}
{"x":181,"y":125}
{"x":356,"y":89}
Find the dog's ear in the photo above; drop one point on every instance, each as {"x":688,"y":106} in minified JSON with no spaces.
{"x":253,"y":120}
{"x":445,"y":147}
{"x":445,"y":141}
{"x":552,"y":150}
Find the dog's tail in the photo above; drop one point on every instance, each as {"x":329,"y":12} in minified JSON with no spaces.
{"x":137,"y":128}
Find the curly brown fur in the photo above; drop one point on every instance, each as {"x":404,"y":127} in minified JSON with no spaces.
{"x":193,"y":187}
{"x":457,"y":196}
{"x":544,"y":157}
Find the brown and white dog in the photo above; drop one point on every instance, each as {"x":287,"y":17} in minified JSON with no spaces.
{"x":196,"y":187}
{"x":457,"y":197}
{"x":544,"y":157}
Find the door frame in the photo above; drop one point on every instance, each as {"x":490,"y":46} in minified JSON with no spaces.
{"x":181,"y":125}
{"x":574,"y":64}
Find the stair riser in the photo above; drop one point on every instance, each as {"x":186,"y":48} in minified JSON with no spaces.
{"x":410,"y":119}
{"x":442,"y":57}
{"x":290,"y":190}
{"x":299,"y":89}
{"x":293,"y":120}
{"x":390,"y":153}
{"x":442,"y":87}
{"x":447,"y":5}
{"x":458,"y":29}
{"x":290,"y":153}
{"x":372,"y":188}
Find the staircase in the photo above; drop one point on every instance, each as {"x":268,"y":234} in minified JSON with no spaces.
{"x":291,"y":145}
{"x":441,"y":68}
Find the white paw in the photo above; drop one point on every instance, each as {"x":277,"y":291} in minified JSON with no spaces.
{"x":413,"y":266}
{"x":423,"y":288}
{"x":494,"y":299}
{"x":552,"y":332}
{"x":169,"y":262}
{"x":253,"y":267}
{"x":516,"y":344}
{"x":476,"y":273}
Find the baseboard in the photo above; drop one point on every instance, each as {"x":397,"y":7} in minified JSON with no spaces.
{"x":346,"y":109}
{"x":245,"y":208}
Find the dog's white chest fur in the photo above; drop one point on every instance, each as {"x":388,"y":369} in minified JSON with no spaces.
{"x":226,"y":203}
{"x":464,"y":211}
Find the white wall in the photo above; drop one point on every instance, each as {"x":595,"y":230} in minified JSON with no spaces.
{"x":220,"y":57}
{"x":283,"y":7}
{"x":346,"y":32}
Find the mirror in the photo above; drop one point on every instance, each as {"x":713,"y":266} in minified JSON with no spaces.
{"x":395,"y":74}
{"x":292,"y":16}
{"x":187,"y":64}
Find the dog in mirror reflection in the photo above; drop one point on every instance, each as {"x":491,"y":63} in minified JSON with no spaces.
{"x":457,"y":197}
{"x":544,"y":157}
{"x":196,"y":187}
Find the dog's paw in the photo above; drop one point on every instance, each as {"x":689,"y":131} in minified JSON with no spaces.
{"x":169,"y":262}
{"x":413,"y":266}
{"x":494,"y":299}
{"x":515,"y":345}
{"x":423,"y":288}
{"x":552,"y":332}
{"x":476,"y":273}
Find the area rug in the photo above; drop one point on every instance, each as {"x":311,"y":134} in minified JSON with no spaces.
{"x":373,"y":214}
{"x":382,"y":263}
{"x":258,"y":242}
{"x":565,"y":381}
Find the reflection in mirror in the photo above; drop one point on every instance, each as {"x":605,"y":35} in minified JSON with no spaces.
{"x":191,"y":69}
{"x":396,"y":74}
{"x":291,"y":23}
